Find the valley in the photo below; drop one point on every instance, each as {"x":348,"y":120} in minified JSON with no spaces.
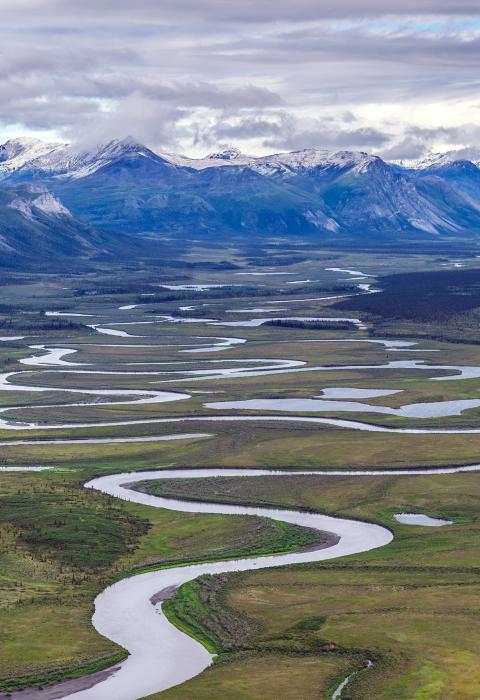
{"x":239,"y":350}
{"x":275,"y":456}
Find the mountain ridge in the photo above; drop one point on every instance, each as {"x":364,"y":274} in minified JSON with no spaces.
{"x":60,"y":157}
{"x":124,"y":189}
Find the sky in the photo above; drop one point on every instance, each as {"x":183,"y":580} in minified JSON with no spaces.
{"x":398,"y":78}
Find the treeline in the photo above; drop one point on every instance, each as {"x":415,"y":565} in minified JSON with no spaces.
{"x":269,"y":259}
{"x":420,"y":296}
{"x":39,"y":322}
{"x":312,"y":325}
{"x":98,"y":291}
{"x":106,"y":287}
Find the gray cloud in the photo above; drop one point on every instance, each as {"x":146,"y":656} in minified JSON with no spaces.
{"x":184,"y":73}
{"x":56,"y":12}
{"x":417,"y":141}
{"x":365,"y":138}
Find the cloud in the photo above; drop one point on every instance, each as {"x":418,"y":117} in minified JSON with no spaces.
{"x":364,"y":138}
{"x":417,"y":141}
{"x":61,"y":12}
{"x":183,"y":74}
{"x":408,"y":148}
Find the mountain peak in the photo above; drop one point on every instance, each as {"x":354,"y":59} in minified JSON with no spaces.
{"x":227,"y":153}
{"x":22,"y":142}
{"x":23,"y":149}
{"x":129,"y":141}
{"x":119,"y":146}
{"x":126,"y":142}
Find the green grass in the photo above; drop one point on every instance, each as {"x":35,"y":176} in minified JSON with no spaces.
{"x":410,"y":606}
{"x":248,"y":445}
{"x":62,"y":544}
{"x":46,"y":676}
{"x":269,"y":677}
{"x":71,"y":527}
{"x":179,"y":538}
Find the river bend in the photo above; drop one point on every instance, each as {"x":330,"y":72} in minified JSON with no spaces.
{"x":160,"y":655}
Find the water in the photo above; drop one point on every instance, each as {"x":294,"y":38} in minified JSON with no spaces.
{"x":161,"y":656}
{"x":421,"y":519}
{"x":52,"y":356}
{"x":437,"y":409}
{"x":113,"y":331}
{"x":354,"y":273}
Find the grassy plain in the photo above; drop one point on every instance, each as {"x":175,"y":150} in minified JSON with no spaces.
{"x":408,"y":606}
{"x":61,"y":545}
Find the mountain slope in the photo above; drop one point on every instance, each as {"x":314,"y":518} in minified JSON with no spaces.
{"x":125,"y":187}
{"x":38,"y":232}
{"x":26,"y":159}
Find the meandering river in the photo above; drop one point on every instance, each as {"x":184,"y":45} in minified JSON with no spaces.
{"x":161,"y":656}
{"x":130,"y":611}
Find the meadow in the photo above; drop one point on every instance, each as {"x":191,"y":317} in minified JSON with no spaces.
{"x":408,"y":607}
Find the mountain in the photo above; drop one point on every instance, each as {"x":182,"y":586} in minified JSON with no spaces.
{"x":460,"y":169}
{"x":433,"y":160}
{"x":38,"y":232}
{"x":124,"y":188}
{"x":20,"y":153}
{"x":25,"y":159}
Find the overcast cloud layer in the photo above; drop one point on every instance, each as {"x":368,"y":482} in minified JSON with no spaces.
{"x":265,"y":75}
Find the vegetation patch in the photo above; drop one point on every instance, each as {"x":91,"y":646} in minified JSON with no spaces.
{"x":406,"y":607}
{"x":313,"y":325}
{"x":70,"y":527}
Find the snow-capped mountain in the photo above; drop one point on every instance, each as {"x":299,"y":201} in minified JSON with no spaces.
{"x":460,"y":169}
{"x":310,"y":160}
{"x":21,"y":159}
{"x":276,"y":164}
{"x":24,"y":157}
{"x":124,"y":187}
{"x":18,"y":153}
{"x":228,"y":156}
{"x":36,"y":230}
{"x":438,"y":160}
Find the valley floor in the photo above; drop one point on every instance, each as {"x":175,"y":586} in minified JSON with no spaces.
{"x":129,"y":376}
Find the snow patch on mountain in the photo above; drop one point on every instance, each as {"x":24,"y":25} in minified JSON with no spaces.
{"x":230,"y":156}
{"x":320,"y":220}
{"x":45,"y":202}
{"x":50,"y":205}
{"x":22,"y":206}
{"x":5,"y":246}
